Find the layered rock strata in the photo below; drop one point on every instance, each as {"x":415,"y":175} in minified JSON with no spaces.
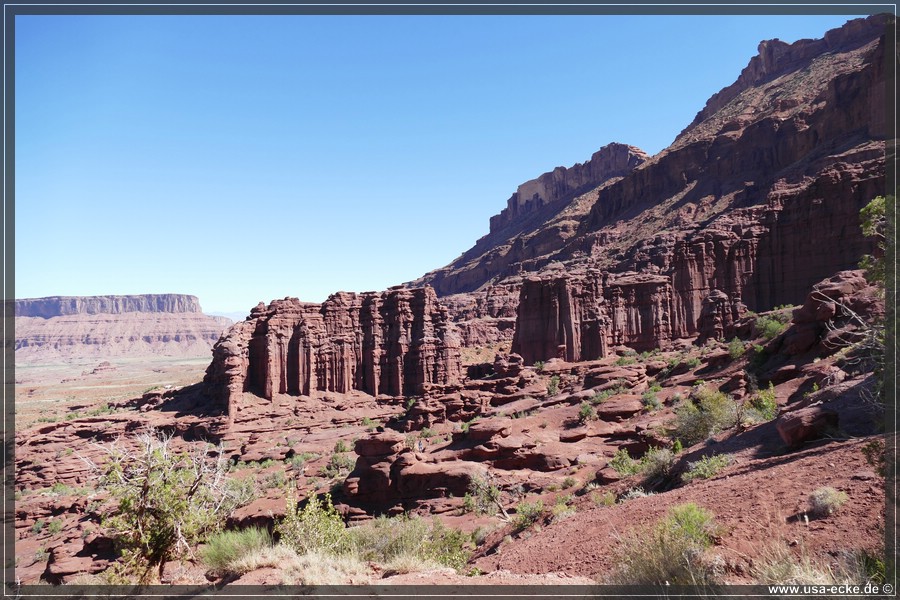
{"x":756,"y":201}
{"x":389,"y":343}
{"x":57,"y":306}
{"x":112,"y":326}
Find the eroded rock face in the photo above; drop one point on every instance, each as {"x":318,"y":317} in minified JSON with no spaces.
{"x":758,"y":199}
{"x":613,"y":160}
{"x":380,"y":343}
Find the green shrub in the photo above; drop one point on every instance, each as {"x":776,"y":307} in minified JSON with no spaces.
{"x":56,"y":525}
{"x":826,"y":501}
{"x":338,"y":464}
{"x":693,"y":362}
{"x":341,"y":446}
{"x":599,"y":397}
{"x":226,"y":547}
{"x":539,"y":366}
{"x":568,"y":482}
{"x":736,"y":348}
{"x":650,"y":401}
{"x":623,"y":464}
{"x":167,"y":502}
{"x":707,"y":413}
{"x":527,"y":513}
{"x":298,"y":460}
{"x":657,"y":462}
{"x":553,"y":386}
{"x":764,"y":405}
{"x":706,"y":467}
{"x":625,"y":360}
{"x":37,"y":526}
{"x":669,"y":553}
{"x":771,"y":326}
{"x":317,"y":527}
{"x":586,"y":413}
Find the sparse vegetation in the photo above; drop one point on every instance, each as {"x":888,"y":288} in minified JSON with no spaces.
{"x":527,"y":513}
{"x":707,"y":413}
{"x":167,"y":502}
{"x":339,"y":464}
{"x":553,"y":386}
{"x":317,"y":529}
{"x":225,"y":549}
{"x":539,"y":366}
{"x":826,"y":501}
{"x":650,"y":401}
{"x":736,"y":348}
{"x":771,"y":326}
{"x":586,"y":413}
{"x":55,"y":526}
{"x":671,"y":552}
{"x":763,"y":406}
{"x":485,"y":497}
{"x":341,"y":446}
{"x":778,"y":565}
{"x":623,"y":464}
{"x":706,"y":467}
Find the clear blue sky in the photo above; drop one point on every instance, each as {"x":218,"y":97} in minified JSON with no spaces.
{"x":247,"y":158}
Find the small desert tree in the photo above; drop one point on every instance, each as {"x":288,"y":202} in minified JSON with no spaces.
{"x":167,"y":501}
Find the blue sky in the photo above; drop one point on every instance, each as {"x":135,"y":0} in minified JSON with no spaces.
{"x":247,"y":158}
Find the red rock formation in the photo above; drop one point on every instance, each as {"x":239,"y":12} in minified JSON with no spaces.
{"x":758,"y":199}
{"x":389,"y":343}
{"x":613,"y":160}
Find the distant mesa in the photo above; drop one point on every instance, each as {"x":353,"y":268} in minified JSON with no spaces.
{"x":57,"y":306}
{"x":112,"y":326}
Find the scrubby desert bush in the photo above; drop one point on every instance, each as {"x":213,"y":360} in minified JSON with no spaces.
{"x":736,"y":348}
{"x":166,"y":501}
{"x":763,"y":406}
{"x":225,"y":549}
{"x":671,"y":552}
{"x":771,"y":326}
{"x":623,"y":464}
{"x":706,"y":413}
{"x":650,"y":400}
{"x":826,"y":501}
{"x":706,"y":467}
{"x":777,"y":564}
{"x":553,"y":386}
{"x":657,"y":462}
{"x":317,"y":527}
{"x":410,"y":541}
{"x":527,"y":513}
{"x":586,"y":413}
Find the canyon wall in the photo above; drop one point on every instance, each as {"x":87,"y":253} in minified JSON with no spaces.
{"x":752,"y":204}
{"x":389,"y":343}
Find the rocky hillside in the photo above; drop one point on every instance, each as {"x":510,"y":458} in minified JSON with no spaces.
{"x":636,"y":336}
{"x":756,"y":200}
{"x":109,"y":326}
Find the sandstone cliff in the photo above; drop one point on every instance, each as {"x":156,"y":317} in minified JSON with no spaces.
{"x":753,"y":203}
{"x":388,"y":343}
{"x":110,"y":326}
